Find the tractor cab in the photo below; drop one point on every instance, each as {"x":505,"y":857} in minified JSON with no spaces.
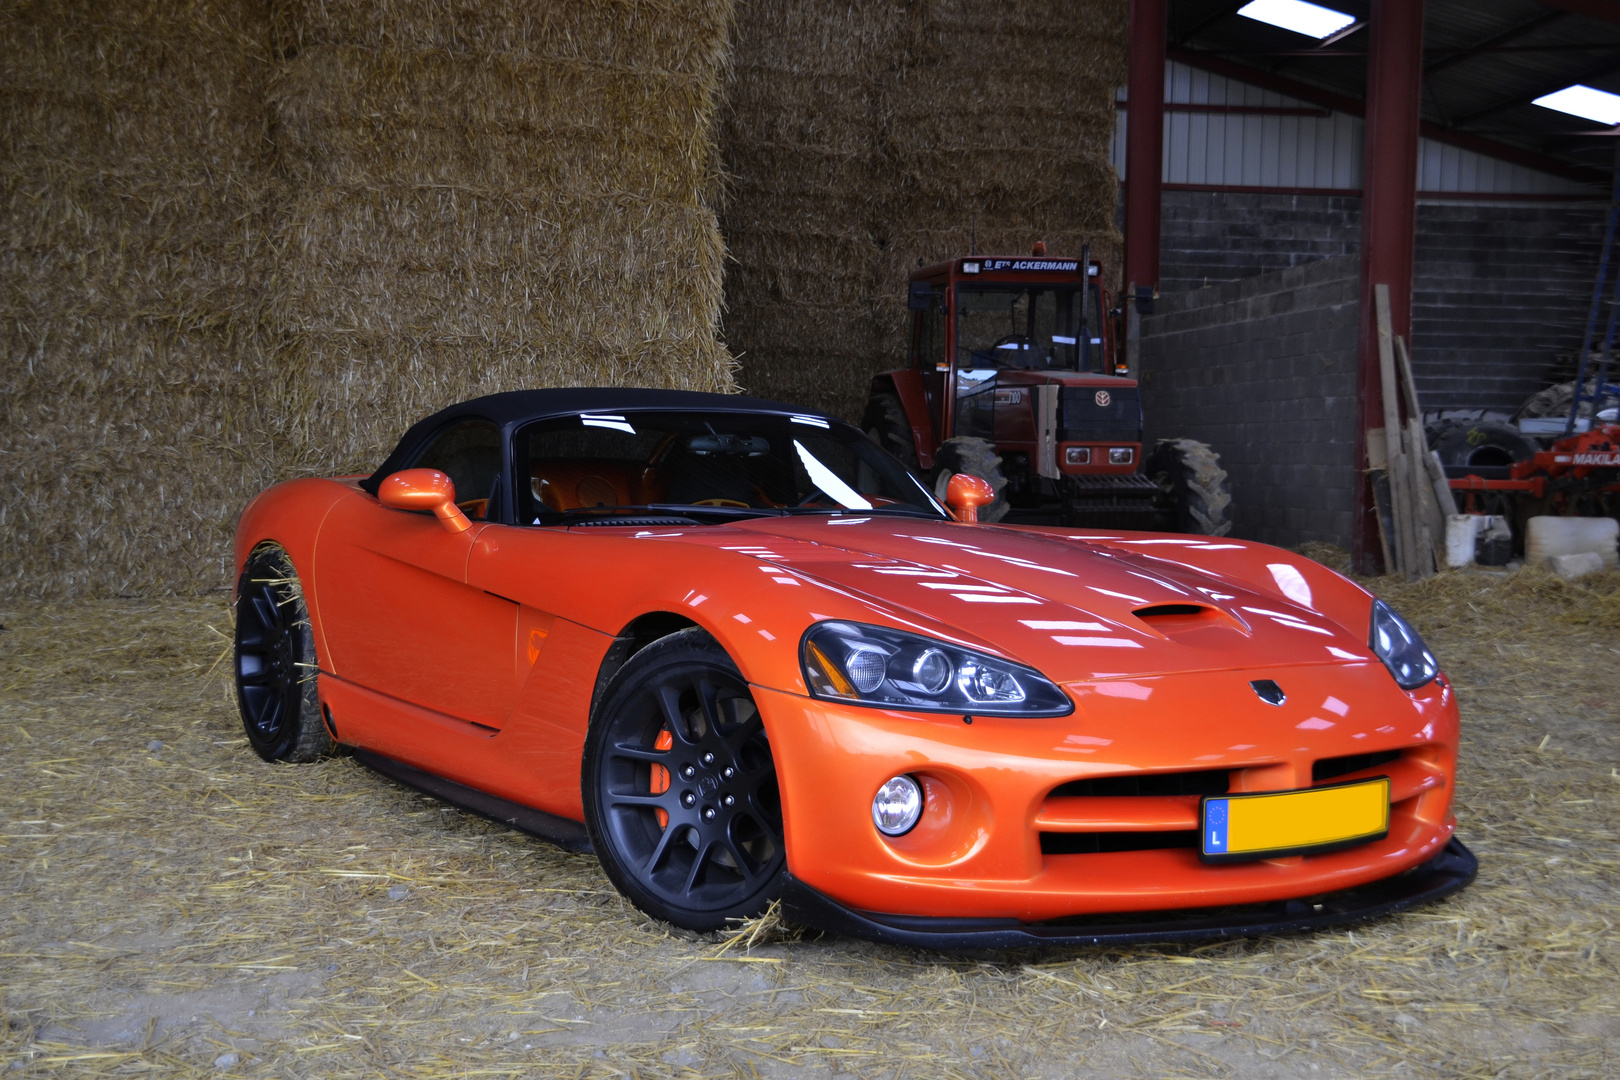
{"x":1013,"y":374}
{"x":992,"y":339}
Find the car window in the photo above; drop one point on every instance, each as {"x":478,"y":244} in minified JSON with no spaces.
{"x":707,"y":465}
{"x":469,"y":453}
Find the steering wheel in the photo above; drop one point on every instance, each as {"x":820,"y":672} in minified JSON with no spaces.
{"x":1026,"y":355}
{"x":721,"y":502}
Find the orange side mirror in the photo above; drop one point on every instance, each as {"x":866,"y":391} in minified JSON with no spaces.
{"x":965,"y":494}
{"x":424,"y":489}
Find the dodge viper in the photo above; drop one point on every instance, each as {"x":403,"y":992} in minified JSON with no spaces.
{"x":743,"y":655}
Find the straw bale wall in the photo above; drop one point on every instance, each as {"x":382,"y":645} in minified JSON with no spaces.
{"x":859,"y":138}
{"x":243,"y":241}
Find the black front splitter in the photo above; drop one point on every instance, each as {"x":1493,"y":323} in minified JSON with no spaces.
{"x":1442,"y":875}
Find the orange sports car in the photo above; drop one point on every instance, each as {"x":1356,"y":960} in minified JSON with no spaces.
{"x":743,"y":654}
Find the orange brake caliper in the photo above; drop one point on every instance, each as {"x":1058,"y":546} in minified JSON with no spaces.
{"x":660,"y":775}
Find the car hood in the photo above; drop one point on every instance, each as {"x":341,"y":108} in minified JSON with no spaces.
{"x":1073,"y":607}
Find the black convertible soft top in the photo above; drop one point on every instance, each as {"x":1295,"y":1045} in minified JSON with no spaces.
{"x":515,"y":408}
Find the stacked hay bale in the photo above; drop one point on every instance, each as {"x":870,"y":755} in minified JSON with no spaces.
{"x":487,"y":196}
{"x":132,"y":288}
{"x":860,"y":139}
{"x":246,"y":241}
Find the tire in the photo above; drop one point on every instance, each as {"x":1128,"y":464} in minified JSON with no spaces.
{"x":1555,"y":401}
{"x":976,"y":457}
{"x":885,"y":421}
{"x":680,"y":791}
{"x":1479,"y":443}
{"x":275,"y":663}
{"x":1197,"y":497}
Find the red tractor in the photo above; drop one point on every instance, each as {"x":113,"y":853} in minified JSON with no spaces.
{"x":1014,"y":376}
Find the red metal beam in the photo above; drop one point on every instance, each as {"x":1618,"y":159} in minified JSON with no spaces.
{"x":1605,"y":10}
{"x":1355,"y":107}
{"x":1494,"y":43}
{"x":1144,"y":147}
{"x":1388,"y":218}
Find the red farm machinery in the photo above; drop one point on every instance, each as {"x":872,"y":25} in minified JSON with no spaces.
{"x":1014,"y":375}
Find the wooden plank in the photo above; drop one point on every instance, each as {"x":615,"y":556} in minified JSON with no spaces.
{"x":1406,"y":534}
{"x":1435,"y":500}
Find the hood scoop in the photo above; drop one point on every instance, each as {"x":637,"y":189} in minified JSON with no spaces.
{"x":1180,"y":619}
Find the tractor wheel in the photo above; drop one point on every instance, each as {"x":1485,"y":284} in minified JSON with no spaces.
{"x":886,"y":422}
{"x":1554,"y":402}
{"x":1479,"y":443}
{"x":976,"y":457}
{"x":1197,"y":496}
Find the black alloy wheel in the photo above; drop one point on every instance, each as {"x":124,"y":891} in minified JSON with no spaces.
{"x":681,"y":797}
{"x":275,"y":662}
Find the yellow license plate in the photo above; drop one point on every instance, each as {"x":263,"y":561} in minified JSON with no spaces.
{"x":1273,"y":824}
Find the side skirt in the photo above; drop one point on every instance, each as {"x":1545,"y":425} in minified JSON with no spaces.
{"x":566,"y":834}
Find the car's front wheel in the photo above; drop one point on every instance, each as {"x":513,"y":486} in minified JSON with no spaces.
{"x":275,"y":661}
{"x":680,"y":790}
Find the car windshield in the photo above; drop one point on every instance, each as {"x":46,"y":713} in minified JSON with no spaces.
{"x":707,"y":466}
{"x":1043,"y":327}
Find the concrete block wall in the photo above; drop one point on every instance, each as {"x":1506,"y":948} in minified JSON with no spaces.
{"x":1264,"y":370}
{"x":1500,"y":292}
{"x":1210,"y":237}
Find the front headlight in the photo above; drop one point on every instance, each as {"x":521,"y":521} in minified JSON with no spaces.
{"x":1395,"y":643}
{"x":875,"y":665}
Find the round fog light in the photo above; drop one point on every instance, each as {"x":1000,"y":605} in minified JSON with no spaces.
{"x":898,"y":805}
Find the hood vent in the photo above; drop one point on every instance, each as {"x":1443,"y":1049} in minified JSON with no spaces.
{"x":1161,"y":611}
{"x":1173,"y":619}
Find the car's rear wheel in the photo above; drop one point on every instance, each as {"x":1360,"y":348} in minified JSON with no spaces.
{"x":680,"y":791}
{"x":275,"y":662}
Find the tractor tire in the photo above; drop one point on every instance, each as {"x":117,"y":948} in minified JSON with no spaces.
{"x":1554,"y":402}
{"x":1197,"y":496}
{"x":1479,"y":443}
{"x":976,"y":457}
{"x":885,"y":421}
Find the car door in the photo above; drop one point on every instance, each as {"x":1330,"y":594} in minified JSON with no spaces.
{"x":399,"y":615}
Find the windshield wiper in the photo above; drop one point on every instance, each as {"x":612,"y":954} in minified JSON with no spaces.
{"x":720,"y":511}
{"x":898,"y":511}
{"x":607,"y":513}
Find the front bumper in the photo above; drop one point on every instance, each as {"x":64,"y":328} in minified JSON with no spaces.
{"x":1442,"y":875}
{"x":1001,"y":837}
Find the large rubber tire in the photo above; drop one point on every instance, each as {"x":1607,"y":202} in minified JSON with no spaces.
{"x":275,"y":662}
{"x":1554,"y":401}
{"x":680,"y":791}
{"x":885,"y":421}
{"x":1479,"y":443}
{"x":1197,"y":494}
{"x":976,"y":457}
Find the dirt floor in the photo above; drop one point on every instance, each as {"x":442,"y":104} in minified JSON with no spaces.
{"x":169,"y":904}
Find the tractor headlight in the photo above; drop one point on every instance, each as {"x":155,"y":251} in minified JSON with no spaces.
{"x":886,"y":668}
{"x":1395,"y":643}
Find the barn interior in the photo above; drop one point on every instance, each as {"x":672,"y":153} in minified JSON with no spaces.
{"x":246,"y":241}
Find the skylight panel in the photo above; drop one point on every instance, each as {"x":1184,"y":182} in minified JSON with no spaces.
{"x":1312,"y":20}
{"x":1585,"y":102}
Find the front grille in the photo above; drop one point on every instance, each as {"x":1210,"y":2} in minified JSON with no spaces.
{"x":1329,"y":768}
{"x":1100,"y":414}
{"x":1211,"y":782}
{"x":1092,"y":843}
{"x":1127,"y":485}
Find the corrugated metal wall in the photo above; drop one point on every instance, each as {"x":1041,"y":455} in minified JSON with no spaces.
{"x":1295,"y":145}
